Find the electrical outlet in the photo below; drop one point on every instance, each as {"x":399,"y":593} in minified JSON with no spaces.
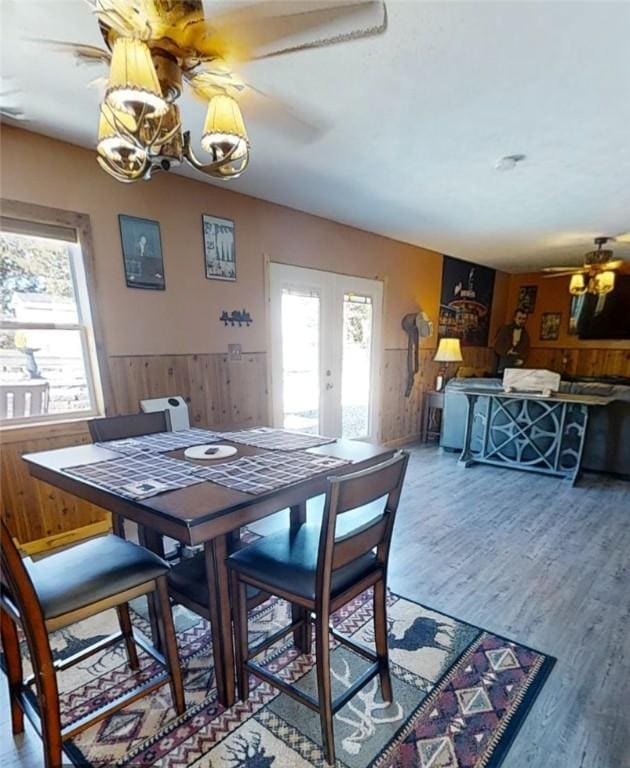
{"x":234,"y":351}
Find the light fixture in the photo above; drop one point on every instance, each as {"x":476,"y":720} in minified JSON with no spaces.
{"x":118,"y":151}
{"x":577,"y":286}
{"x":224,"y":135}
{"x":133,"y":82}
{"x":449,"y":351}
{"x":604,"y":282}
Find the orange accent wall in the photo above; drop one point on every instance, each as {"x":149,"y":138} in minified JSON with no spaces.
{"x":184,"y":317}
{"x":553,"y":296}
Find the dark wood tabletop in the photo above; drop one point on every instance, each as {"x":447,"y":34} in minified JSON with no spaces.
{"x":204,"y":513}
{"x":192,"y":515}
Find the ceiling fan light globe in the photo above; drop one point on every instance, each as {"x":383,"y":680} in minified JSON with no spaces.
{"x":224,"y":131}
{"x":133,"y":82}
{"x":604,"y":282}
{"x":577,"y":285}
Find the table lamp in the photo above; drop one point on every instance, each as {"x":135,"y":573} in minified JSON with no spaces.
{"x":448,"y":351}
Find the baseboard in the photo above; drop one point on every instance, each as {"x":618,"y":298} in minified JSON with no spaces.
{"x":399,"y":441}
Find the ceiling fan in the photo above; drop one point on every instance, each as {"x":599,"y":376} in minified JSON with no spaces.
{"x":597,"y":274}
{"x":154,"y":47}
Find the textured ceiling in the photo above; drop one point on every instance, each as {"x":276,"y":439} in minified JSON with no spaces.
{"x":414,"y":121}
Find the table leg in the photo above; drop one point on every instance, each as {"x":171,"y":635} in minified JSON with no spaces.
{"x":302,"y":636}
{"x":215,"y":552}
{"x":153,"y":541}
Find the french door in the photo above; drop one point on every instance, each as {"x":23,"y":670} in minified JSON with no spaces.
{"x":325,"y":342}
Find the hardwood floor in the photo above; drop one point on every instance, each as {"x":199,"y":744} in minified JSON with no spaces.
{"x":526,"y":556}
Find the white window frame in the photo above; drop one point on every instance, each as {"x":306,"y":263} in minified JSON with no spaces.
{"x":75,"y":240}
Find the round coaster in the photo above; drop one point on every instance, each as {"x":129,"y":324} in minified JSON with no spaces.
{"x":212,"y":451}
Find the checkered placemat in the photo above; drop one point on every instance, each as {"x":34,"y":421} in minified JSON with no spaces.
{"x":276,"y":439}
{"x":266,"y":472}
{"x":138,"y":476}
{"x":161,"y":442}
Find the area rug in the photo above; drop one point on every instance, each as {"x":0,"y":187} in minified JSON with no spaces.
{"x":460,"y":695}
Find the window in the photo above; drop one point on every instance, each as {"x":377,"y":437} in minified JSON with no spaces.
{"x":48,"y":367}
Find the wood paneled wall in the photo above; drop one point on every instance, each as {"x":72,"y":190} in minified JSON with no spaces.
{"x":401,"y":416}
{"x":582,"y":361}
{"x":224,"y":392}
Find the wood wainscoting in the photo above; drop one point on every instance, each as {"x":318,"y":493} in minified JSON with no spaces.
{"x":223,"y":393}
{"x":401,"y":416}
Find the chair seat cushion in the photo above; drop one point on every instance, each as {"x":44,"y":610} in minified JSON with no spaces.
{"x":288,"y":561}
{"x":91,"y":571}
{"x":188,"y":577}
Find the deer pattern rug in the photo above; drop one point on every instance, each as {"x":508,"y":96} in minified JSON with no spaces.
{"x":460,"y":695}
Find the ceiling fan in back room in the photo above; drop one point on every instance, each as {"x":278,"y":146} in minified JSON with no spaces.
{"x":597,"y":273}
{"x":154,"y":47}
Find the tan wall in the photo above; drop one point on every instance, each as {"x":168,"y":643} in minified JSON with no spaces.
{"x":161,"y":342}
{"x":37,"y":169}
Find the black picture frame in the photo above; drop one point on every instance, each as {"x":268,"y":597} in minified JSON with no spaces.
{"x":143,"y":261}
{"x":219,"y":247}
{"x":550,"y":326}
{"x":527,"y":298}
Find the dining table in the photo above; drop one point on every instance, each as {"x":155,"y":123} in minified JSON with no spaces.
{"x":205,"y":513}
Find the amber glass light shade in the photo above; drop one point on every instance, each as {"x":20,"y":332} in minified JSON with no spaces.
{"x":224,"y":130}
{"x":111,"y":127}
{"x":133,"y":82}
{"x":604,"y":282}
{"x":577,"y":286}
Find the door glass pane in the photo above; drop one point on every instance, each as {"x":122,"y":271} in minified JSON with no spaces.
{"x":357,"y":353}
{"x":42,"y":372}
{"x":300,"y":360}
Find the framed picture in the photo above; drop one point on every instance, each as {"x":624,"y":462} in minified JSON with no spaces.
{"x":142,"y":253}
{"x":527,"y":298}
{"x":550,"y":326}
{"x":466,"y":301}
{"x":218,"y":248}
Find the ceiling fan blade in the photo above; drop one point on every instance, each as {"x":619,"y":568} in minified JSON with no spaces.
{"x":564,"y":274}
{"x":264,"y":29}
{"x":624,"y":237}
{"x":286,"y":118}
{"x":614,"y":264}
{"x":560,"y":269}
{"x":84,"y":54}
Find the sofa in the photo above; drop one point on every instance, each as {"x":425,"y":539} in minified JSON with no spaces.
{"x":607,"y":446}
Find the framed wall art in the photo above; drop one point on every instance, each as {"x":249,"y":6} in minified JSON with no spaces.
{"x":466,"y":301}
{"x":527,"y":298}
{"x":219,"y":248}
{"x":550,"y":326}
{"x":142,"y":253}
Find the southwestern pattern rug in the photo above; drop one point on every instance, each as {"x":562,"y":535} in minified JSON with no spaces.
{"x":460,"y":695}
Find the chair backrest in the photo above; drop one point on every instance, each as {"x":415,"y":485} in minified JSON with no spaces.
{"x":176,"y":406}
{"x":348,"y":492}
{"x":18,"y":592}
{"x":118,"y":427}
{"x":24,"y":398}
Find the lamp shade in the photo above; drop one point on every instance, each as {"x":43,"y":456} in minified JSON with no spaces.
{"x":224,"y":129}
{"x":133,"y":82}
{"x":577,"y":285}
{"x":448,"y":351}
{"x":111,"y":127}
{"x":604,"y":282}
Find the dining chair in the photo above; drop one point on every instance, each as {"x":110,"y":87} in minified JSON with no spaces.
{"x":60,"y":589}
{"x":130,"y":425}
{"x":320,"y":568}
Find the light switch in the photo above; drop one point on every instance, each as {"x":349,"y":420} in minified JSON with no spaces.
{"x":234,"y":351}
